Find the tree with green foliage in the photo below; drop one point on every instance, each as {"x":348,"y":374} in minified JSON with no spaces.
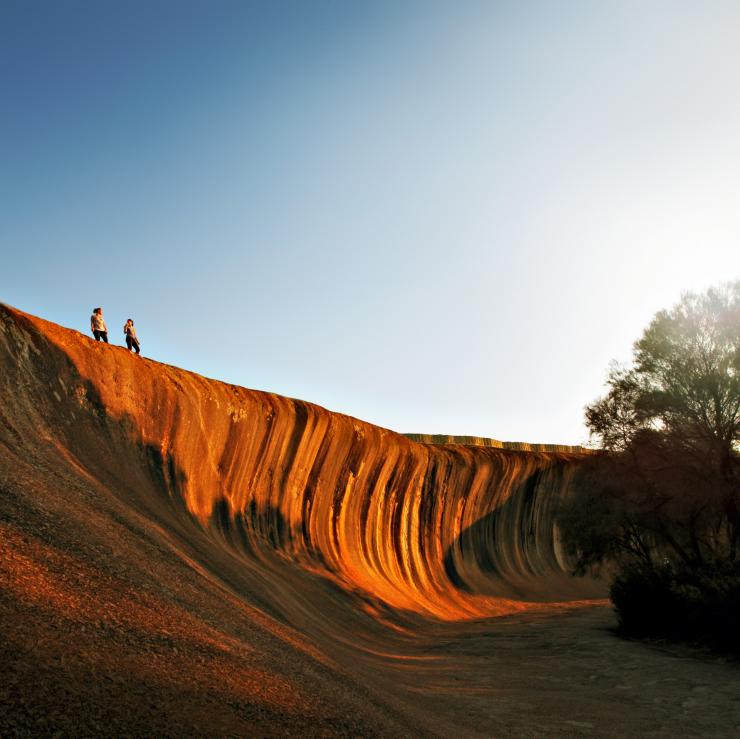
{"x":662,"y":499}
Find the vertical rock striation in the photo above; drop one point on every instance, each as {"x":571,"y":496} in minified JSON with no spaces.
{"x":450,"y":531}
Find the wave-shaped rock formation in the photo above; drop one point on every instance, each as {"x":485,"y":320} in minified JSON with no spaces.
{"x":451,"y":531}
{"x":276,"y":501}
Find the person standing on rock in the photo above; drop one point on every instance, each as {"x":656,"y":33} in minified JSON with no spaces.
{"x":132,"y":341}
{"x":97,"y":325}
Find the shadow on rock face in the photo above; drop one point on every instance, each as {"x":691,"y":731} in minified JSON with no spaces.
{"x":514,"y":550}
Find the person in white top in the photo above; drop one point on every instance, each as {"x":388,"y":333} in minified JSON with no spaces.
{"x":132,"y":340}
{"x":97,"y":325}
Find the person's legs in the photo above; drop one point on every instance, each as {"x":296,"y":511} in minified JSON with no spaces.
{"x":104,"y":334}
{"x":136,"y":346}
{"x":129,"y":342}
{"x":96,"y":334}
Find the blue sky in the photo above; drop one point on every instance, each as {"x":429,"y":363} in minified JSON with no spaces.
{"x":439,"y":217}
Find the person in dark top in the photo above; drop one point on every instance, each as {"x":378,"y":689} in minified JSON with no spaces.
{"x":132,"y":341}
{"x":97,"y":325}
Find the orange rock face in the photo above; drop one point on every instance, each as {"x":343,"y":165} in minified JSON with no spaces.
{"x":444,"y":530}
{"x":180,"y":557}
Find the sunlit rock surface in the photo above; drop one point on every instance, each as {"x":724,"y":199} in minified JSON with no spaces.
{"x":184,"y":557}
{"x":451,"y":531}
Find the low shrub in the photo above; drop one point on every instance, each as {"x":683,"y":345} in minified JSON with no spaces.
{"x":680,"y":603}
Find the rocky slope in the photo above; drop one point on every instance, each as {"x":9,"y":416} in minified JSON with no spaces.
{"x":179,"y":555}
{"x":452,"y":531}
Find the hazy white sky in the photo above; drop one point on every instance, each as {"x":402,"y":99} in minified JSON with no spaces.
{"x":437,"y":217}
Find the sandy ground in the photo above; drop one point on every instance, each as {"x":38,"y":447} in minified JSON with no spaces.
{"x":566,"y":674}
